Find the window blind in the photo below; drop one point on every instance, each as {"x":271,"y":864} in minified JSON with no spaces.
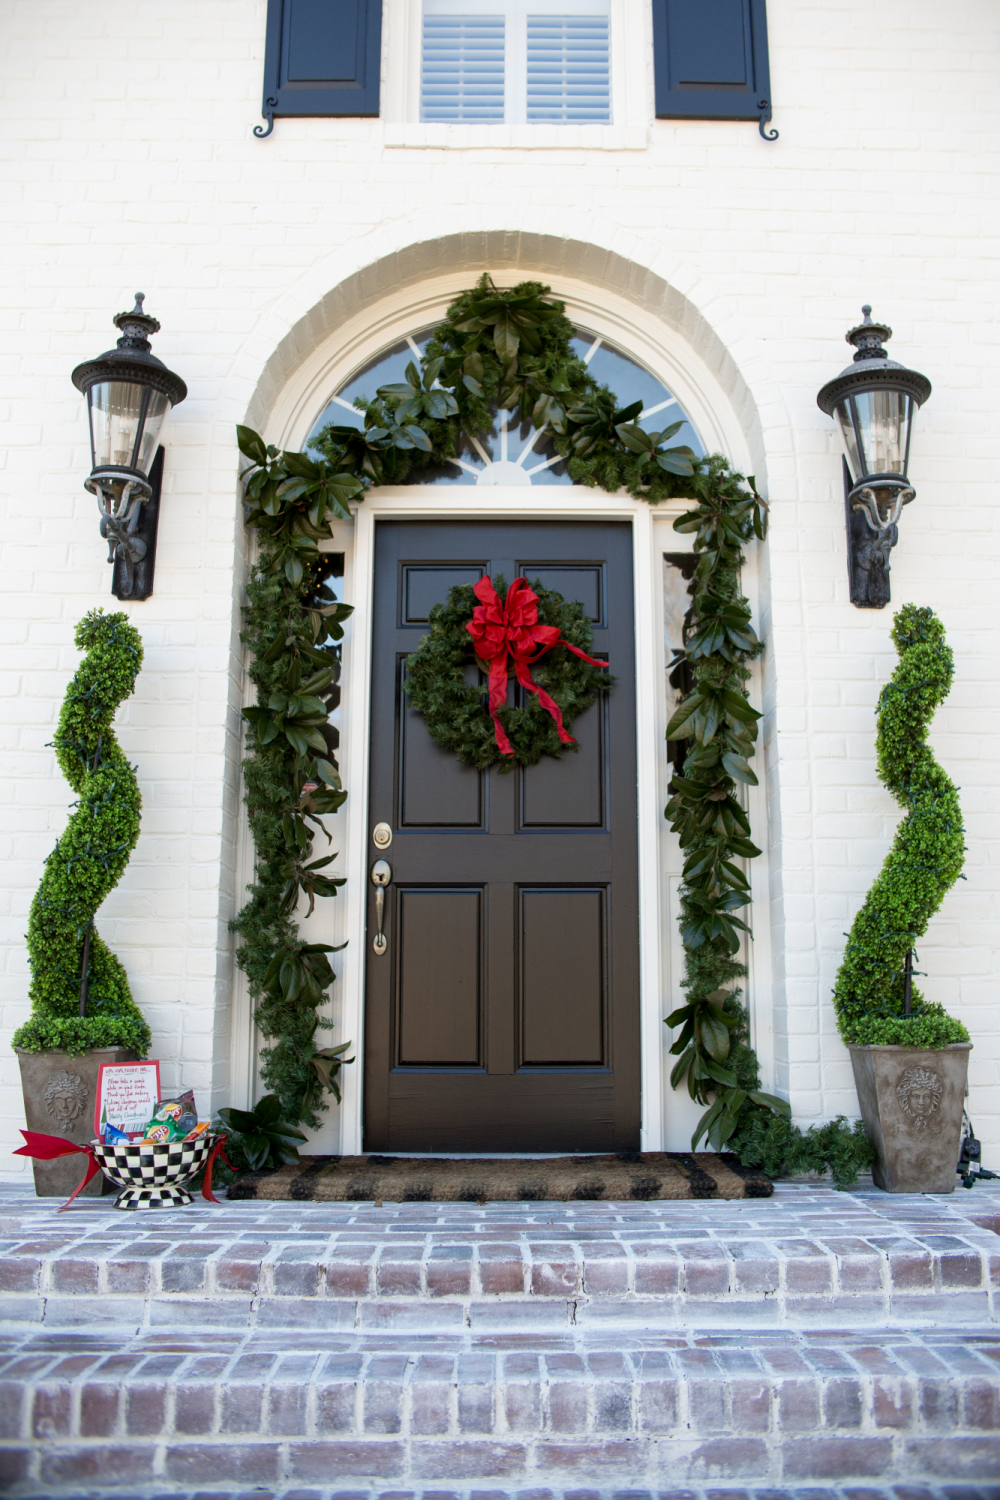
{"x":568,"y":68}
{"x":462,"y":73}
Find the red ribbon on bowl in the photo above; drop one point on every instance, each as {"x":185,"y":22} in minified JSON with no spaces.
{"x":512,"y":629}
{"x":51,"y":1147}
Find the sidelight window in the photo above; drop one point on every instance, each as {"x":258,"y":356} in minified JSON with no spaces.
{"x":516,"y":61}
{"x":512,"y":452}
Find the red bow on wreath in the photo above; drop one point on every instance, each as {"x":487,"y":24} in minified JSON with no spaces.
{"x":512,"y":628}
{"x":51,"y":1147}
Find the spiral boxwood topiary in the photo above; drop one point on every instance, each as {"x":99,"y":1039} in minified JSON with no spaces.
{"x":79,"y":990}
{"x":924,"y":862}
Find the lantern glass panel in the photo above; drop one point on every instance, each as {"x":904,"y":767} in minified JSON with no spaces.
{"x":883,"y":419}
{"x":848,"y":438}
{"x":116,"y":412}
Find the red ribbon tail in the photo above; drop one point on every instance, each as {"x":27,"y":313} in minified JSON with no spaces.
{"x":498,"y":694}
{"x":51,"y":1148}
{"x":93,"y":1167}
{"x":48,"y":1147}
{"x":526,"y":680}
{"x":206,"y":1182}
{"x":583,"y":655}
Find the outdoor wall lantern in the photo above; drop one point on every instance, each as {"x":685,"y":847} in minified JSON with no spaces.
{"x":129,"y":392}
{"x":874,"y":402}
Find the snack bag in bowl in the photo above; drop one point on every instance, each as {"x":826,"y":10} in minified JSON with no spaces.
{"x":172,"y":1119}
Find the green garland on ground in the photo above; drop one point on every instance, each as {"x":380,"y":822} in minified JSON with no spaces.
{"x":79,"y":992}
{"x":926,"y":857}
{"x":455,"y":712}
{"x":507,"y":348}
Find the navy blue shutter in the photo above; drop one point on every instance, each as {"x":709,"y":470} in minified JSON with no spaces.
{"x":323,"y":57}
{"x":710,"y":59}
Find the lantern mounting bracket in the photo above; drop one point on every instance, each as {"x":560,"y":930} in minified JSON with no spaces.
{"x":130,"y":512}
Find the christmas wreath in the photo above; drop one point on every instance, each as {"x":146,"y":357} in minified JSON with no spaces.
{"x":504,"y":631}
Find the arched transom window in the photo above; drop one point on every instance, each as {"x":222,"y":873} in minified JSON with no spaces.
{"x":513,"y":452}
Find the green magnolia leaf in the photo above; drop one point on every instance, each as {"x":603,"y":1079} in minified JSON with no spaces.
{"x":689,"y":707}
{"x":772,"y":1102}
{"x":506,"y":340}
{"x":675,"y":462}
{"x":251,"y":444}
{"x":239,"y":1119}
{"x":739,"y":770}
{"x":635,"y":439}
{"x":302,"y":466}
{"x":714,"y":1034}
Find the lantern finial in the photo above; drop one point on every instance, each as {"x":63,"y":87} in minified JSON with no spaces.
{"x":869,"y":337}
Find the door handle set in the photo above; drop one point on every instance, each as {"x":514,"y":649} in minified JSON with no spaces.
{"x":381,"y":876}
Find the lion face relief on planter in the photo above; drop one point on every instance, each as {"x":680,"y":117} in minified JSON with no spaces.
{"x":910,"y":1058}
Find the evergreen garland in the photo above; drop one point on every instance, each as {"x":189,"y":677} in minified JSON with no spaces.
{"x":79,"y":992}
{"x":507,"y":348}
{"x":292,"y":625}
{"x":455,"y":712}
{"x":924,"y":862}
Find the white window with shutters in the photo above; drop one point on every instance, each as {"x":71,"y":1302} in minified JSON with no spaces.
{"x":528,"y":73}
{"x":516,"y":61}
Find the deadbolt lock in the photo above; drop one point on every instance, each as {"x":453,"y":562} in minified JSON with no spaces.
{"x":381,"y":835}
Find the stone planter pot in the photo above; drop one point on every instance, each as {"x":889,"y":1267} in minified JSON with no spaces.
{"x":59,"y":1094}
{"x":912,"y":1100}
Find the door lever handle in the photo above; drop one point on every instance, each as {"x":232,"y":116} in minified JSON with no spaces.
{"x":381,"y":875}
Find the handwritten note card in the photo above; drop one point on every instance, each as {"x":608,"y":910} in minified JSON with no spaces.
{"x":127,"y":1094}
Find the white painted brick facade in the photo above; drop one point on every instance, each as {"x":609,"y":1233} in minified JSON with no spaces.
{"x":128,"y":161}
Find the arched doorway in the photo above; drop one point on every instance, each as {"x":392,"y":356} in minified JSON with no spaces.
{"x":638,"y":350}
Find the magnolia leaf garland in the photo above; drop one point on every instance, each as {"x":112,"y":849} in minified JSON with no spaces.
{"x":455,"y":711}
{"x":509,"y":348}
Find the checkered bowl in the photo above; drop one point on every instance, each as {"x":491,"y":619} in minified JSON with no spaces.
{"x":152,"y":1173}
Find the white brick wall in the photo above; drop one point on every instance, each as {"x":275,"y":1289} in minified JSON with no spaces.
{"x":128,"y":162}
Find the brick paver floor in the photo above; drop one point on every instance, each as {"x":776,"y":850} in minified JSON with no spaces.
{"x":503,"y":1352}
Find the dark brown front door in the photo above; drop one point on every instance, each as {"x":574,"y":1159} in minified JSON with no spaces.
{"x":504,"y":1013}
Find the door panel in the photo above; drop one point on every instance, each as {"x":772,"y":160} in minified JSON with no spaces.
{"x":562,"y":978}
{"x":436,"y":790}
{"x":569,"y":793}
{"x":440,"y":948}
{"x":425,"y":587}
{"x":504,"y":1014}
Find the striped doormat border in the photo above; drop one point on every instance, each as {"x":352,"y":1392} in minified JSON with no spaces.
{"x":643,"y":1176}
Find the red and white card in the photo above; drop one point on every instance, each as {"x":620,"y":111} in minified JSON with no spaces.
{"x":127,"y":1094}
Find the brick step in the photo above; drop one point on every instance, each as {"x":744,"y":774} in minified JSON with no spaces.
{"x":164,"y":1490}
{"x":445,"y":1268}
{"x":306,"y":1407}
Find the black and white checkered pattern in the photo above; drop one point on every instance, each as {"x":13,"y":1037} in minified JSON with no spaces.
{"x":152,"y":1172}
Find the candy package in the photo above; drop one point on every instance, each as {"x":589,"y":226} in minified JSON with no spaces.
{"x":173,"y":1119}
{"x":113,"y":1134}
{"x":198,"y":1130}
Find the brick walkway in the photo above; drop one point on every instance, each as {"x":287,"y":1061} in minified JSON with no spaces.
{"x":507,"y":1350}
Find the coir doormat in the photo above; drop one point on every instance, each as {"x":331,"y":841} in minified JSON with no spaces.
{"x":637,"y":1176}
